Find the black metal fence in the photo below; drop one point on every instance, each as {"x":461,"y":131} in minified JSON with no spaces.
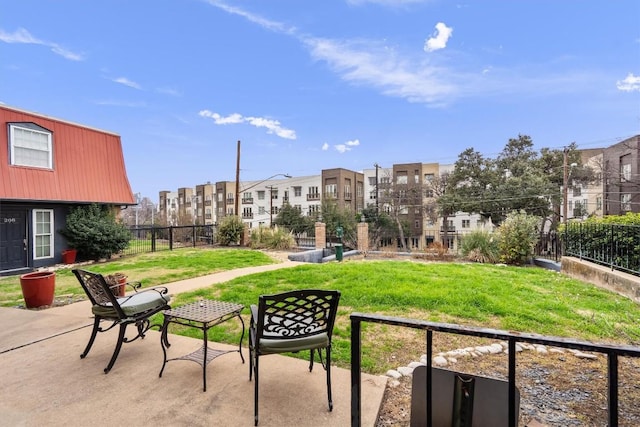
{"x":614,"y":245}
{"x":152,"y":239}
{"x":612,"y":352}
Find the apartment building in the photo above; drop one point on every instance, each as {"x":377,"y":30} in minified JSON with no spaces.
{"x":621,"y":176}
{"x":168,"y":207}
{"x":409,"y":190}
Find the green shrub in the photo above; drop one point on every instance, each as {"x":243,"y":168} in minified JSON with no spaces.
{"x":230,"y":230}
{"x":517,"y":237}
{"x":95,"y":232}
{"x":480,"y":246}
{"x":272,"y":238}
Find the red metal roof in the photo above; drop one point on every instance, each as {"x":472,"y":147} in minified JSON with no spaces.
{"x":88,"y":164}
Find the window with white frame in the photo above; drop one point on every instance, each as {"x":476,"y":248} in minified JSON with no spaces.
{"x":261,"y":195}
{"x":625,"y":201}
{"x":401,"y":178}
{"x":43,"y":233}
{"x":30,"y":145}
{"x":297,"y":191}
{"x":466,"y":223}
{"x":261,"y":210}
{"x":331,"y":190}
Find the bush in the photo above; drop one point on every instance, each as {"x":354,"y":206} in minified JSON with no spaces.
{"x":518,"y":236}
{"x":272,"y":238}
{"x":95,"y":232}
{"x":480,"y":246}
{"x":230,"y":230}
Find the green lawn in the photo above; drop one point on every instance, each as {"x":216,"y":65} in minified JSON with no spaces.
{"x":526,"y":299}
{"x":151,"y":269}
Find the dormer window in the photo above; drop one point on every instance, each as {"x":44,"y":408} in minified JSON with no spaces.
{"x":30,"y":145}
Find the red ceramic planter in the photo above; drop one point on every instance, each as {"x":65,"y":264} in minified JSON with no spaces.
{"x":38,"y":288}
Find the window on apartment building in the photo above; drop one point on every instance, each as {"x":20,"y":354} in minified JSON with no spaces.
{"x":297,"y":191}
{"x":43,"y":233}
{"x":30,"y":145}
{"x":347,"y":190}
{"x":401,"y":178}
{"x":372,"y":180}
{"x":428,"y":192}
{"x":599,"y":203}
{"x":372,"y":195}
{"x":385,"y":180}
{"x":625,"y":168}
{"x":416,"y":224}
{"x":274,"y":210}
{"x":403,"y":210}
{"x":428,"y":177}
{"x":625,"y":202}
{"x":298,"y":208}
{"x":274,"y":194}
{"x":220,"y":197}
{"x":246,"y":213}
{"x":247,"y":196}
{"x":229,"y":196}
{"x":466,"y":223}
{"x":331,"y":190}
{"x":230,"y":211}
{"x":313,"y":192}
{"x":577,"y":191}
{"x":261,"y":210}
{"x":450,"y":224}
{"x":359,"y":189}
{"x":261,"y":195}
{"x":416,"y":177}
{"x":479,"y":223}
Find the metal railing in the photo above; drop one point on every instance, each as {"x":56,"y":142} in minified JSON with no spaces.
{"x":611,"y":351}
{"x":153,"y":239}
{"x":612,"y":245}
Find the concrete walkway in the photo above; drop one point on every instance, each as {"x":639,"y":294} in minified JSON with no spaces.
{"x":44,"y":381}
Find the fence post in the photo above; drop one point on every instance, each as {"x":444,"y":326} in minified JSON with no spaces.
{"x":171,"y":238}
{"x":153,"y":239}
{"x":611,"y":252}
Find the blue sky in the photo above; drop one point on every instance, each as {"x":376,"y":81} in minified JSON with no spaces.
{"x":311,"y":85}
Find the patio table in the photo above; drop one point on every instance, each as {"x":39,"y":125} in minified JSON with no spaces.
{"x":203,"y":315}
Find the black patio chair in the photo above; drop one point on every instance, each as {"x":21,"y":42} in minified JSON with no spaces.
{"x":291,"y":322}
{"x":135,"y":308}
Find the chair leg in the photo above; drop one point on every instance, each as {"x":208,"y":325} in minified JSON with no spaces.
{"x":251,"y":351}
{"x":123,"y":328}
{"x":311,"y":360}
{"x":328,"y":368}
{"x":255,"y":416}
{"x":94,"y":332}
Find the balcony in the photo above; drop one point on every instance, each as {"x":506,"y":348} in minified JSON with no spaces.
{"x":347,"y":196}
{"x":450,"y":229}
{"x":247,"y":201}
{"x":247,"y":215}
{"x":230,"y":200}
{"x":314,"y":196}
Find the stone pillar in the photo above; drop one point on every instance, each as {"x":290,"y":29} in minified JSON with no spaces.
{"x":363,"y":237}
{"x":321,"y":235}
{"x":245,"y":238}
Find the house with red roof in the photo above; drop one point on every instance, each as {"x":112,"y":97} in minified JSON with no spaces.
{"x":47,"y":167}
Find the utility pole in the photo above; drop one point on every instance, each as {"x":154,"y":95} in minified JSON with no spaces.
{"x":235,"y":211}
{"x":377,"y":205}
{"x":271,"y":206}
{"x":565,"y":182}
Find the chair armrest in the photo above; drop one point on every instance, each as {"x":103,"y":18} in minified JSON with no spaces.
{"x":134,"y":285}
{"x":254,"y":312}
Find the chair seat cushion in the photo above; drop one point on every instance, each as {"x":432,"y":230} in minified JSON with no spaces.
{"x":274,"y":345}
{"x":137,"y":303}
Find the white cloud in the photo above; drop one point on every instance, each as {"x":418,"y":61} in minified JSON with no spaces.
{"x":272,"y":126}
{"x":439,"y":39}
{"x":169,"y":91}
{"x":377,"y":66}
{"x":116,"y":103}
{"x":347,"y":146}
{"x":125,"y":81}
{"x":251,"y":17}
{"x":23,"y":36}
{"x":325,"y":146}
{"x":630,"y":83}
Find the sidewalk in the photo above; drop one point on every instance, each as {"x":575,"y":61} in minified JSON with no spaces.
{"x":44,"y":381}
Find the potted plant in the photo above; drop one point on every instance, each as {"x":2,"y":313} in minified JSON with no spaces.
{"x":38,"y":288}
{"x":119,"y":279}
{"x":69,"y":256}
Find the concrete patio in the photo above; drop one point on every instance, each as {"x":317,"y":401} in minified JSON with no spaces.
{"x":44,"y":381}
